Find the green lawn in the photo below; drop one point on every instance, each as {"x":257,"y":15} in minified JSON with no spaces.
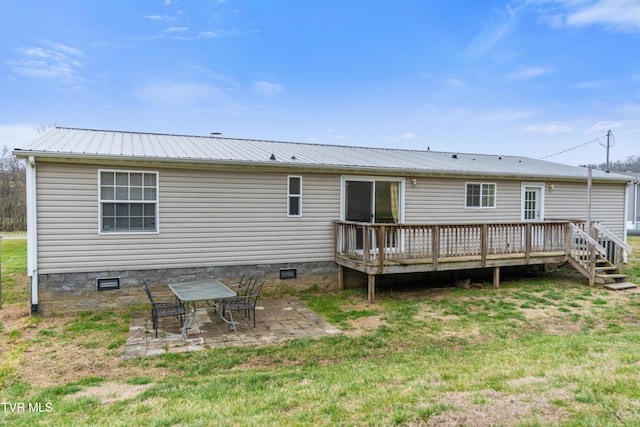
{"x":14,"y":269}
{"x":545,"y":350}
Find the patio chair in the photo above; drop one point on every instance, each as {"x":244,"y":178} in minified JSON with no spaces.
{"x":244,"y":285}
{"x":163,"y":309}
{"x":246,"y":303}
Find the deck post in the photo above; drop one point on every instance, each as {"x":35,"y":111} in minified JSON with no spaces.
{"x":435,"y":246}
{"x":528,"y":238}
{"x":484,"y":243}
{"x":340,"y":278}
{"x":496,"y":277}
{"x":382,"y":233}
{"x":366,"y":245}
{"x":371,"y":284}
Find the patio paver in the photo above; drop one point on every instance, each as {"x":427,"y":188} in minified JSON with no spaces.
{"x":277,"y":319}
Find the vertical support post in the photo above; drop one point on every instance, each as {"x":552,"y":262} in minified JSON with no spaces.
{"x":484,"y":243}
{"x":527,"y":249}
{"x":366,"y":246}
{"x":382,"y":234}
{"x":496,"y":277}
{"x":371,"y":287}
{"x":592,"y":264}
{"x":593,"y":233}
{"x":435,"y":245}
{"x":340,"y":278}
{"x":336,"y":245}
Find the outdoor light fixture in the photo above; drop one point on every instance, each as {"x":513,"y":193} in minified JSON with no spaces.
{"x":414,"y":181}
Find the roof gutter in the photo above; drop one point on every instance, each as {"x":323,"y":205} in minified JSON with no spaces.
{"x":32,"y":231}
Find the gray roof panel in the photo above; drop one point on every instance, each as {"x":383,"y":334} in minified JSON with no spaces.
{"x":70,"y":142}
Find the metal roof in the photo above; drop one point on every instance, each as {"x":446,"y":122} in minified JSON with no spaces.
{"x":62,"y":142}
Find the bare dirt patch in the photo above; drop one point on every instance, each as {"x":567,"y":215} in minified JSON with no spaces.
{"x":112,"y":392}
{"x":49,"y":361}
{"x":491,"y":408}
{"x":363,"y":325}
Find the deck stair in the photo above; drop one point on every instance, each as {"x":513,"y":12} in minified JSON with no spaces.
{"x":607,"y":273}
{"x":599,"y":257}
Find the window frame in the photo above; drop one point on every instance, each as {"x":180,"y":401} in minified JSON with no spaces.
{"x":115,"y":200}
{"x":291,"y":196}
{"x":481,"y":205}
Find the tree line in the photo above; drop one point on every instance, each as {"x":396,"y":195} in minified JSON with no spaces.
{"x":13,"y":198}
{"x":631,"y":164}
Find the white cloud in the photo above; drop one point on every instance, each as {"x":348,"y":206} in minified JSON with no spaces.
{"x":409,"y":135}
{"x":548,"y":129}
{"x":617,"y":15}
{"x":455,"y":82}
{"x":501,"y":116}
{"x":590,"y":84}
{"x":265,"y":88}
{"x":54,"y":61}
{"x":623,"y":15}
{"x":177,"y":29}
{"x":529,"y":72}
{"x":492,"y":32}
{"x":604,"y":126}
{"x":180,"y":93}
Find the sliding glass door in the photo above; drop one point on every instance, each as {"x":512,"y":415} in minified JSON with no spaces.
{"x":372,"y":201}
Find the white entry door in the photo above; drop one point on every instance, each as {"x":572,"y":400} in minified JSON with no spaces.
{"x":532,"y":202}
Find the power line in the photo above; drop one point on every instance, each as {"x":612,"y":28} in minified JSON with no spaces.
{"x":572,"y":148}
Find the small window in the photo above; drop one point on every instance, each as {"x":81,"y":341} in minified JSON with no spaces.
{"x":480,"y":195}
{"x":294,"y":198}
{"x":128,"y":201}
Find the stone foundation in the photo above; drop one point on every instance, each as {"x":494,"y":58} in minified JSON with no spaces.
{"x":77,"y":292}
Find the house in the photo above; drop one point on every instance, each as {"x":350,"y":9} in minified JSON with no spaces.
{"x":107,"y":208}
{"x":633,"y":204}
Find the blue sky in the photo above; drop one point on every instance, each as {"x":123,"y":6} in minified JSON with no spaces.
{"x":522,"y":77}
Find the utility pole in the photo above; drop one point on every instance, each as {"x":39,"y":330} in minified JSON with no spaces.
{"x":609,"y":135}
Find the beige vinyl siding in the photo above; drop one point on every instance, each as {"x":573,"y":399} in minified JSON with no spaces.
{"x":433,"y":200}
{"x":216,"y":218}
{"x":442,"y":200}
{"x":206,"y":218}
{"x":568,"y":200}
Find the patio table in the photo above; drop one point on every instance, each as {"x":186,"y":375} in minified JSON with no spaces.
{"x":210,"y":290}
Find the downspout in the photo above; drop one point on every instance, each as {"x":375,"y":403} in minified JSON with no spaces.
{"x":32,"y":232}
{"x":627,"y":190}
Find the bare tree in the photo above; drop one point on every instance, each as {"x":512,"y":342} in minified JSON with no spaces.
{"x":13,"y":206}
{"x":631,"y":164}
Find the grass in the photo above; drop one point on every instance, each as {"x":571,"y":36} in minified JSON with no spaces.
{"x":13,"y":289}
{"x":546,"y":350}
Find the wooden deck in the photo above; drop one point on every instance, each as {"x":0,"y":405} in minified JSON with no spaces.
{"x":377,"y":249}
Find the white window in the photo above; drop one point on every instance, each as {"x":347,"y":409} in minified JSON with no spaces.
{"x":480,"y":195}
{"x":128,"y":201}
{"x":294,"y":196}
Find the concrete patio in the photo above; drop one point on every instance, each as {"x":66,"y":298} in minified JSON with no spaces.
{"x":277,"y":319}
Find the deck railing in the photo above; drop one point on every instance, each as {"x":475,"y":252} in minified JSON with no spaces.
{"x":585,"y":247}
{"x":375,"y":244}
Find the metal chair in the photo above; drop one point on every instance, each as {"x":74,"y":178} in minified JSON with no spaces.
{"x":244,"y":286}
{"x":246,"y":302}
{"x":163,"y":309}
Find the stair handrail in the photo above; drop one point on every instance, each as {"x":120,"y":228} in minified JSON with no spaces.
{"x":583,"y":235}
{"x":615,"y":239}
